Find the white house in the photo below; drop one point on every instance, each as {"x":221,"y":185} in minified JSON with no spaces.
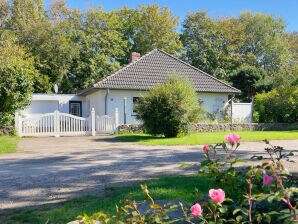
{"x":122,"y":89}
{"x":65,"y":103}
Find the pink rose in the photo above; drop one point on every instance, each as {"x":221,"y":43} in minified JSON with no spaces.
{"x":267,"y":180}
{"x":217,"y":196}
{"x":196,"y":210}
{"x":232,"y":138}
{"x":206,"y":148}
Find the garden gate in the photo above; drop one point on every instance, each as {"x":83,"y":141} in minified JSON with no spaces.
{"x":62,"y":124}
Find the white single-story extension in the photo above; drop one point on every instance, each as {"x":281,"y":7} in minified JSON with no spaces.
{"x":122,"y":89}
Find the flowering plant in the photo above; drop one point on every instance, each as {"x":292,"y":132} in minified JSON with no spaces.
{"x":220,"y":167}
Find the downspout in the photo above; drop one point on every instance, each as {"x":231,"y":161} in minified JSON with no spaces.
{"x":106,"y":101}
{"x":232,"y":100}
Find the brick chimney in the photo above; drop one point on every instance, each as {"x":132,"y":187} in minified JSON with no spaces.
{"x":134,"y":56}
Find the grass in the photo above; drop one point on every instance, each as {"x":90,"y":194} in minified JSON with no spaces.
{"x":202,"y":138}
{"x":8,"y":144}
{"x":164,"y":188}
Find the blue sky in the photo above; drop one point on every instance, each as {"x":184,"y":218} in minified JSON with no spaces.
{"x":287,"y":9}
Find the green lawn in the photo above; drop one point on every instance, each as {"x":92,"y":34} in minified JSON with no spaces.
{"x":164,"y":188}
{"x":8,"y":144}
{"x":202,"y":138}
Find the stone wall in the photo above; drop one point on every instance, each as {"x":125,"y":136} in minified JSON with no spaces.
{"x":131,"y":128}
{"x":222,"y":127}
{"x":6,"y":130}
{"x":243,"y":126}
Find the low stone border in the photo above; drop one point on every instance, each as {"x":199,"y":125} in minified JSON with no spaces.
{"x":6,"y":130}
{"x":131,"y":128}
{"x":222,"y":127}
{"x":247,"y":126}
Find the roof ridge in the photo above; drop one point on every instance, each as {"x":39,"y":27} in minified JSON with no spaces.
{"x":123,"y":68}
{"x":162,"y":51}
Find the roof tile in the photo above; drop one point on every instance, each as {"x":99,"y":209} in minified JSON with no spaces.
{"x":154,"y":68}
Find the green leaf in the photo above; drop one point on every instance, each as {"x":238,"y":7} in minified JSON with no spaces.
{"x":268,"y":218}
{"x":223,"y":209}
{"x":239,"y":218}
{"x":236,"y":211}
{"x":134,"y":214}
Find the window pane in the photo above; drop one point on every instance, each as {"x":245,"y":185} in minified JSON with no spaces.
{"x":75,"y":109}
{"x":135,"y":101}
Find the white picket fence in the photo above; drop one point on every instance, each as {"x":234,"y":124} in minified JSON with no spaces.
{"x":104,"y":124}
{"x":62,"y":124}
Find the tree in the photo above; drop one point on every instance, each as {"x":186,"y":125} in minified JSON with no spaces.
{"x":17,"y":75}
{"x":169,"y":108}
{"x":149,"y":27}
{"x":248,"y":80}
{"x":99,"y":43}
{"x":201,"y":41}
{"x":221,"y":46}
{"x":265,"y":41}
{"x":292,"y":67}
{"x":47,"y":41}
{"x":4,"y":13}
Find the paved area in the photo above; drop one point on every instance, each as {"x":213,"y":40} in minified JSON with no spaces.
{"x":50,"y":170}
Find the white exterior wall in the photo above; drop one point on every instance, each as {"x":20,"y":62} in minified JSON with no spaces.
{"x":212,"y":102}
{"x":97,"y":101}
{"x":48,"y":103}
{"x":115,"y":99}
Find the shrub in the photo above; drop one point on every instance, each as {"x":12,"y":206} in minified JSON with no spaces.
{"x":15,"y":91}
{"x":17,"y":77}
{"x":278,"y":105}
{"x":169,"y":108}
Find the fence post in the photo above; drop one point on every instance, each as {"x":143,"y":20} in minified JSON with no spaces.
{"x":56,"y":123}
{"x":18,"y":123}
{"x":232,"y":101}
{"x":252,"y":109}
{"x":93,"y":132}
{"x":116,"y":120}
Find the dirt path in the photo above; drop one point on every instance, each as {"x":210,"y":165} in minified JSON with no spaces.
{"x":50,"y":170}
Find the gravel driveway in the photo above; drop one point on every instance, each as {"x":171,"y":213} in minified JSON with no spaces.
{"x":50,"y":170}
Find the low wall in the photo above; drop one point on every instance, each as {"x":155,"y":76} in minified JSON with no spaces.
{"x":243,"y":126}
{"x":6,"y":130}
{"x":222,"y":127}
{"x":131,"y":128}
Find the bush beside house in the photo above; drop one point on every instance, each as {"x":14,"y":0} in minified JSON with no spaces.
{"x":169,"y":108}
{"x":278,"y":105}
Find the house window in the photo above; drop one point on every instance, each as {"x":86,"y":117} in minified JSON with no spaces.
{"x":135,"y":101}
{"x":75,"y":108}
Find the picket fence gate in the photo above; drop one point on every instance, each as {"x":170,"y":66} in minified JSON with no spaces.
{"x":63,"y":124}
